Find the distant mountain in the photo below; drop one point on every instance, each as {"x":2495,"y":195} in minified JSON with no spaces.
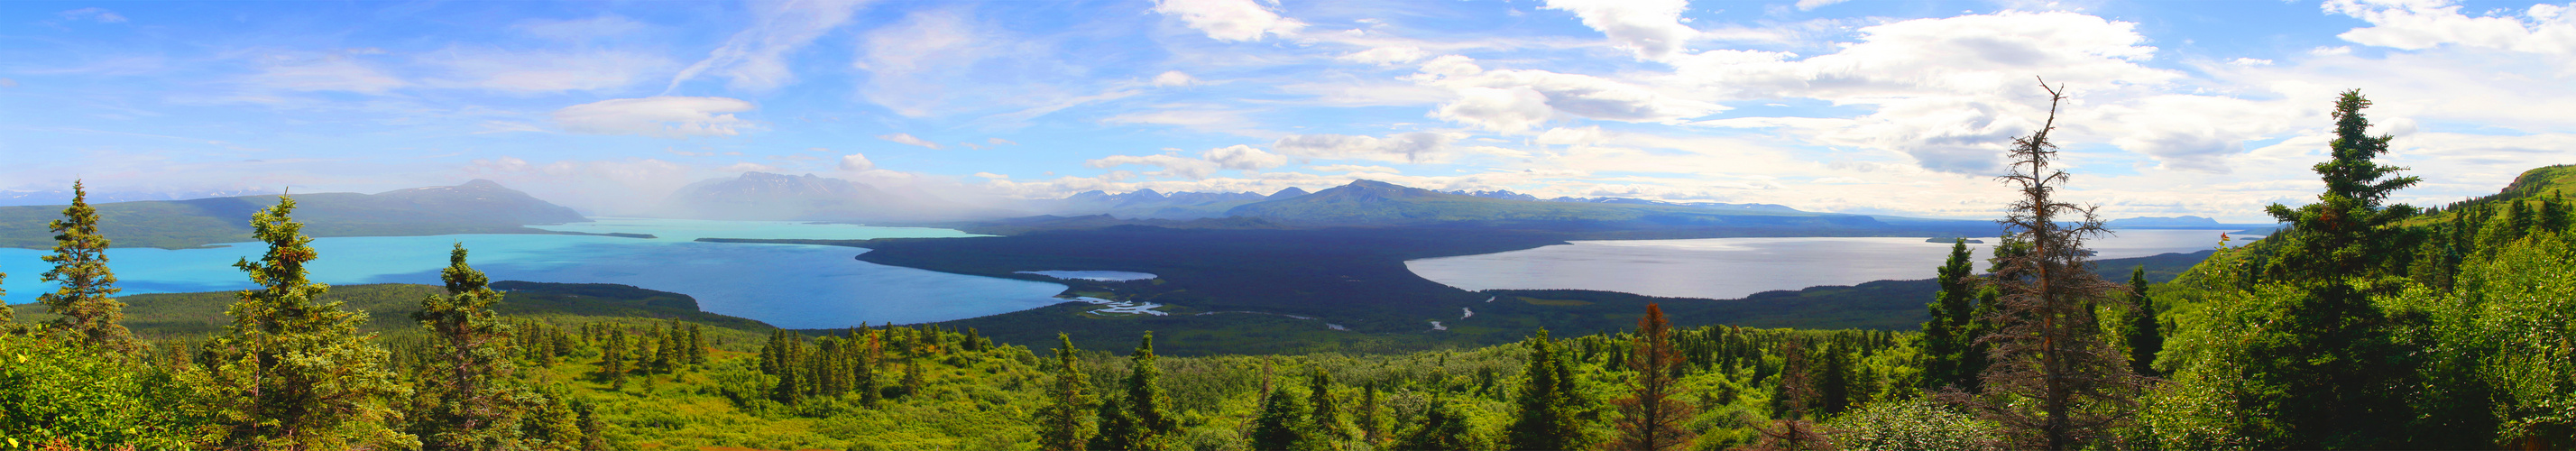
{"x":1374,"y":203}
{"x":1287,"y":193}
{"x":479,"y":206}
{"x":61,"y":197}
{"x":1147,"y":204}
{"x":2176,"y":222}
{"x":1508,"y":195}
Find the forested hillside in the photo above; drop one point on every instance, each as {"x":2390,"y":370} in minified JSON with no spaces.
{"x":479,"y":206}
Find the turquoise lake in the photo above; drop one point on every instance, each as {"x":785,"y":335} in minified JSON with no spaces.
{"x":793,"y":286}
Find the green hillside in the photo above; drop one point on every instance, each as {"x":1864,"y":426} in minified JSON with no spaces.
{"x":480,"y":206}
{"x":389,"y":306}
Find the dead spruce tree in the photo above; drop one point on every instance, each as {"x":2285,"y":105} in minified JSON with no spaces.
{"x":2055,"y":382}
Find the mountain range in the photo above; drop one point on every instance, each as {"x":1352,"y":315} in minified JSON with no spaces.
{"x":479,"y":206}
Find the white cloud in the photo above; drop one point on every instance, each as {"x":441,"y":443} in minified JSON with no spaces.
{"x":748,"y":167}
{"x":1393,"y":54}
{"x":2250,"y":62}
{"x":1516,"y":100}
{"x":1412,"y":147}
{"x":1174,"y":78}
{"x":1811,"y":5}
{"x":2543,"y":29}
{"x":1244,"y":158}
{"x":660,"y":117}
{"x":1349,"y":168}
{"x":1001,"y":142}
{"x":542,"y":71}
{"x":329,"y":73}
{"x":907,"y":139}
{"x":993,"y":176}
{"x":1651,"y":29}
{"x":756,"y":58}
{"x":856,"y":163}
{"x":1584,"y":136}
{"x":1229,"y":20}
{"x":1173,"y":166}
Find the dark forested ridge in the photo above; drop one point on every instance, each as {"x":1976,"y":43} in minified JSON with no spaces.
{"x":479,"y":206}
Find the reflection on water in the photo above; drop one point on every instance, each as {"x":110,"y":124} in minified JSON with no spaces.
{"x":1729,"y":268}
{"x":785,"y":285}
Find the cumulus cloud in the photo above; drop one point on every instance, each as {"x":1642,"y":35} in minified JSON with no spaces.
{"x":856,"y":163}
{"x":1651,"y":29}
{"x":660,"y":117}
{"x":1229,"y":20}
{"x":2415,"y":25}
{"x":1244,"y":158}
{"x":1811,"y":5}
{"x":907,"y":139}
{"x":1412,"y":147}
{"x":1516,"y":100}
{"x":756,"y":58}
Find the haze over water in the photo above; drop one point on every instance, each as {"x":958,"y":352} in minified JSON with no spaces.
{"x":794,"y":286}
{"x":1730,"y":268}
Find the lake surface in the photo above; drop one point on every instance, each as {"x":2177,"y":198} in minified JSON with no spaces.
{"x":1730,"y":268}
{"x":1104,"y":276}
{"x":794,"y":286}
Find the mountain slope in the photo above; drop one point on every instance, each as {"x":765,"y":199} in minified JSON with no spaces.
{"x":479,"y":206}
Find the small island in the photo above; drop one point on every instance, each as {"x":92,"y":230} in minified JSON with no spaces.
{"x":1953,"y":240}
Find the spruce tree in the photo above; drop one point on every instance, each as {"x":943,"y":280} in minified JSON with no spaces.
{"x":1546,"y":416}
{"x":1372,"y":429}
{"x":475,"y":400}
{"x":865,"y":381}
{"x":1327,"y":417}
{"x":2332,"y":354}
{"x":2145,"y":335}
{"x":554,"y":425}
{"x":1443,"y":428}
{"x":80,"y":265}
{"x":2054,"y":382}
{"x":292,"y":372}
{"x":1948,"y":336}
{"x":594,"y":431}
{"x":1281,"y":424}
{"x":1136,"y":418}
{"x":1653,"y":415}
{"x":613,"y":360}
{"x":1060,"y":421}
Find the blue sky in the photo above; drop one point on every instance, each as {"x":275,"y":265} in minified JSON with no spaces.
{"x":2179,"y":107}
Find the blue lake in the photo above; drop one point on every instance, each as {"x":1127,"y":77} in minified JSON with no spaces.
{"x":1730,"y":268}
{"x":1104,"y":276}
{"x":794,"y":286}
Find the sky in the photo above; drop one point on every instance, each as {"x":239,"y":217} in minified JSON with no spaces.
{"x":2209,"y":108}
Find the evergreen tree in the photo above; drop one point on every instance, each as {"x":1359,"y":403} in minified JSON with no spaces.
{"x":1137,"y":417}
{"x":1443,"y":428}
{"x":475,"y":402}
{"x":594,"y":432}
{"x":1547,"y":416}
{"x":2334,"y":365}
{"x":1947,"y":337}
{"x":2054,"y":381}
{"x":1282,"y":423}
{"x":1327,"y":417}
{"x":2145,"y":335}
{"x":865,"y":381}
{"x":1652,"y":416}
{"x":1060,"y":421}
{"x":554,"y":425}
{"x":697,"y":347}
{"x":80,"y":265}
{"x":612,"y":359}
{"x":291,"y":372}
{"x":1372,"y":429}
